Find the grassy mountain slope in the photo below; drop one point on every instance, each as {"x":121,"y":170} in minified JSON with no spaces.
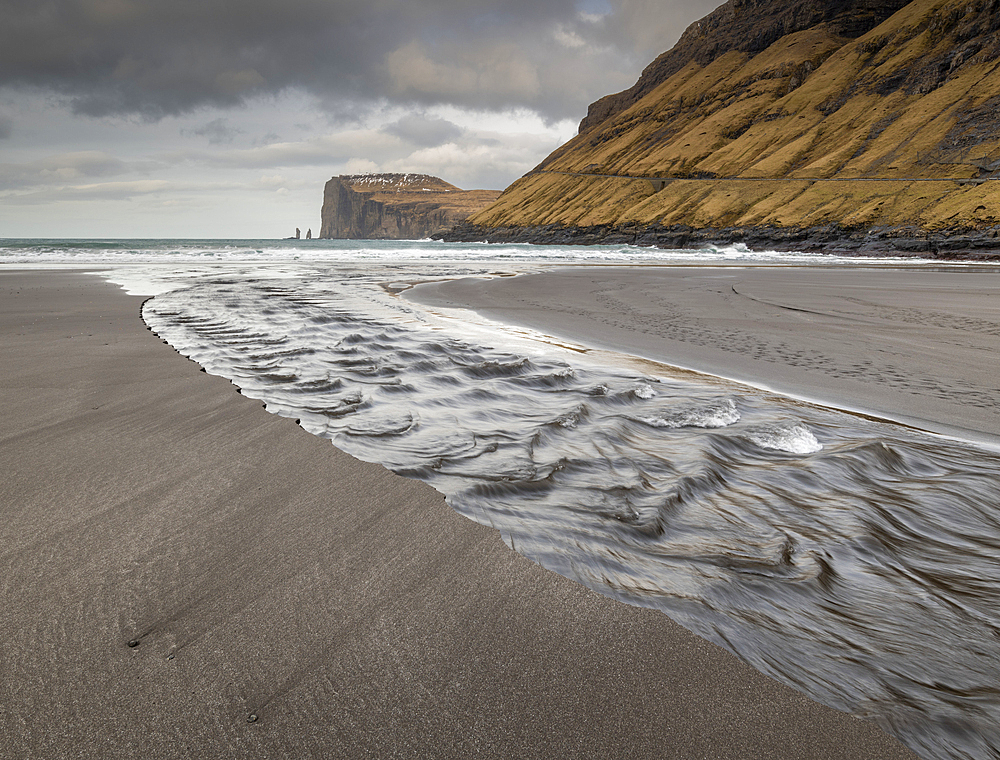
{"x":897,"y":129}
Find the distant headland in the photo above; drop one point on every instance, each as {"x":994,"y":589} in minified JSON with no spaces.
{"x":396,"y":206}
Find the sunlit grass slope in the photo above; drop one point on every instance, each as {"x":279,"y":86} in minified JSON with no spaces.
{"x":794,"y":135}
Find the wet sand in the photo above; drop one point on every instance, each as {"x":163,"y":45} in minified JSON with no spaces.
{"x":916,"y":345}
{"x":287,"y":600}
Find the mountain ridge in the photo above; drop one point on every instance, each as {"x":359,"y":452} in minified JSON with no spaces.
{"x":725,"y":29}
{"x":818,"y":141}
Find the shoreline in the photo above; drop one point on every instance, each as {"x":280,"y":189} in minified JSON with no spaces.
{"x":834,"y":240}
{"x":857,"y":339}
{"x":289,"y":600}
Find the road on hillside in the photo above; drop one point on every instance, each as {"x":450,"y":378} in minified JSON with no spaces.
{"x":959,"y":180}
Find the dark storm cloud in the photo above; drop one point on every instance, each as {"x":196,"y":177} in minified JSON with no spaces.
{"x":153,"y":58}
{"x":6,"y":128}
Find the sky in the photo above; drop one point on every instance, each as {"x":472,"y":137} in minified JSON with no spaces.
{"x":224,"y":118}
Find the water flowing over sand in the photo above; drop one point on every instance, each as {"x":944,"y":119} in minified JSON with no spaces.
{"x":853,"y":559}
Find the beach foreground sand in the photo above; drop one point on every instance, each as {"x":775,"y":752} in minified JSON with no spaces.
{"x":917,"y":344}
{"x":286,"y":600}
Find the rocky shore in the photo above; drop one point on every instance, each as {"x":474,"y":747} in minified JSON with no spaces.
{"x":975,"y":245}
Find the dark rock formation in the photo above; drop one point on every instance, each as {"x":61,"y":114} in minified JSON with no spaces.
{"x":832,"y":239}
{"x":396,"y":206}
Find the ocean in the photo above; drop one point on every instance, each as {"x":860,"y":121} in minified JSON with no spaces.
{"x":851,"y":558}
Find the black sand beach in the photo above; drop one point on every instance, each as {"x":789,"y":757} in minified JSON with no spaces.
{"x":286,"y":600}
{"x":917,"y":345}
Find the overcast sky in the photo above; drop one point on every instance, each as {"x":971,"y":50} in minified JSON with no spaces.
{"x":224,"y":118}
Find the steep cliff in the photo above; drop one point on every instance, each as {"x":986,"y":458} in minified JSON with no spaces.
{"x":795,"y":124}
{"x":745,"y":26}
{"x":395,"y":206}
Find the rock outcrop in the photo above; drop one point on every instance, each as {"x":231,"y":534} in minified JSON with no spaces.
{"x":829,"y":124}
{"x":396,"y":206}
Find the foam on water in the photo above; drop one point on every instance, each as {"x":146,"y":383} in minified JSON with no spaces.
{"x":34,"y":253}
{"x":717,"y":415}
{"x":644,"y":392}
{"x":794,"y":438}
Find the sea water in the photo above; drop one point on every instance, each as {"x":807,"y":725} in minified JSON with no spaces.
{"x":852,"y":559}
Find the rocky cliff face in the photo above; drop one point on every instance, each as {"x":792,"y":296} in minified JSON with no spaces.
{"x":798,"y":124}
{"x":395,"y":206}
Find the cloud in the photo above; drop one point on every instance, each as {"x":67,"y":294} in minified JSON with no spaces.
{"x":151,"y":59}
{"x":568,"y":37}
{"x":327,"y":150}
{"x":361,"y":166}
{"x":217,"y":131}
{"x":193,"y":104}
{"x":65,"y":167}
{"x":478,"y":160}
{"x":469,"y":148}
{"x":424,"y":131}
{"x":113,"y":191}
{"x":494,"y":74}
